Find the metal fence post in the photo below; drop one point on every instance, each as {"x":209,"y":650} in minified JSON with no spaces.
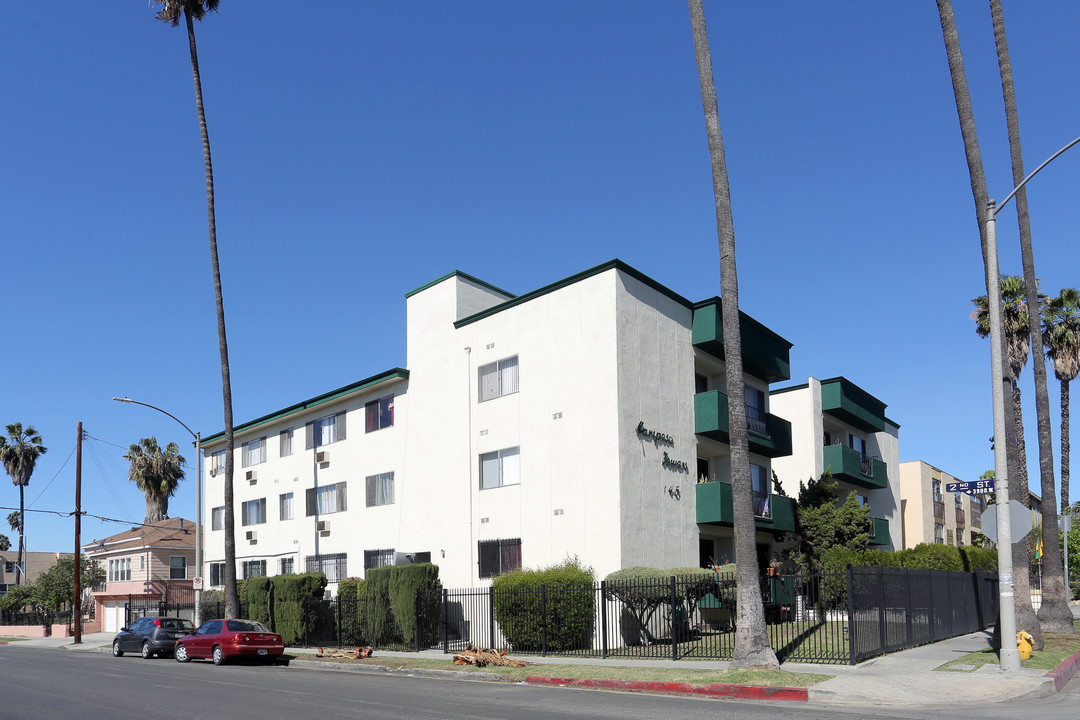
{"x":603,"y":618}
{"x":491,"y":616}
{"x":673,"y":620}
{"x":909,"y":640}
{"x":884,"y":636}
{"x":850,"y":614}
{"x":932,"y":616}
{"x":418,"y":599}
{"x":543,"y":620}
{"x":339,"y":626}
{"x":445,"y":633}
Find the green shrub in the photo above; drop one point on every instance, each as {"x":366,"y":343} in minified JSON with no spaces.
{"x":352,"y":596}
{"x":415,"y":591}
{"x":561,"y":594}
{"x":642,"y":591}
{"x":378,"y":613}
{"x":260,"y":599}
{"x":294,"y":604}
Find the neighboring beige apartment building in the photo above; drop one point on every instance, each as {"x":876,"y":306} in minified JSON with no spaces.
{"x":36,"y":564}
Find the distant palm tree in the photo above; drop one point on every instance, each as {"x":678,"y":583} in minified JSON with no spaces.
{"x":752,"y":645}
{"x":19,"y":452}
{"x":157,"y":472}
{"x":193,"y":10}
{"x":1061,"y":335}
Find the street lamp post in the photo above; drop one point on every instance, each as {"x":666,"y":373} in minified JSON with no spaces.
{"x":198,"y":496}
{"x":1010,"y":655}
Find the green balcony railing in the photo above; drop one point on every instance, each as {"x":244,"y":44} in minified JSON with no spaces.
{"x":765,"y":354}
{"x":769,"y":435}
{"x":852,"y":466}
{"x":846,"y":401}
{"x":771,"y":512}
{"x":879,"y":531}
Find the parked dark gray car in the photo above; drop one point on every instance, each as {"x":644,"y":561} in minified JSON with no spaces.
{"x":151,"y":636}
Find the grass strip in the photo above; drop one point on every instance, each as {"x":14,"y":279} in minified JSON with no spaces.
{"x":1056,"y":647}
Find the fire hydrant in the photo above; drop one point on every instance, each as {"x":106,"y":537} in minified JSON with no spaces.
{"x":1023,"y":644}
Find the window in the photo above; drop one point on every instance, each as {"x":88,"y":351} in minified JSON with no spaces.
{"x":499,"y":556}
{"x":380,"y":489}
{"x":500,"y":468}
{"x":254,"y":452}
{"x":9,"y":566}
{"x":177,"y":567}
{"x":285,"y":506}
{"x":863,"y":500}
{"x":937,"y":491}
{"x":760,"y":479}
{"x":379,"y":414}
{"x":939,"y":533}
{"x":327,"y":499}
{"x":217,"y":463}
{"x":378,"y":558}
{"x":959,"y":499}
{"x":120,"y":570}
{"x":857,"y":443}
{"x":324,"y":431}
{"x":217,"y":574}
{"x":285,"y":443}
{"x":253,"y":512}
{"x":498,"y":379}
{"x":704,"y":475}
{"x":254,"y":568}
{"x":217,"y":518}
{"x":286,"y":566}
{"x":755,"y":410}
{"x":701,"y":383}
{"x":333,"y":565}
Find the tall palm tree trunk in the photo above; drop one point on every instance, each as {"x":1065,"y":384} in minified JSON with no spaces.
{"x":1065,"y":449}
{"x":21,"y":578}
{"x":1025,"y":614}
{"x":232,"y":600}
{"x":1054,"y":614}
{"x":752,"y":647}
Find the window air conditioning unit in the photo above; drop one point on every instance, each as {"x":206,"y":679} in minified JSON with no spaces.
{"x":322,"y":457}
{"x":252,"y":536}
{"x":323,"y":526}
{"x":252,"y":475}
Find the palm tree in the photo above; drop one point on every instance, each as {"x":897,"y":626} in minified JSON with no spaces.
{"x":1025,"y":614}
{"x":752,"y":647}
{"x":192,"y":10}
{"x":1054,"y":613}
{"x":19,"y":452}
{"x":157,"y":472}
{"x":1061,"y":336}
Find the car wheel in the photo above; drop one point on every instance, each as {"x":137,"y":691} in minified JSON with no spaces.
{"x":219,"y":655}
{"x":146,"y":652}
{"x":181,"y":654}
{"x":116,"y":651}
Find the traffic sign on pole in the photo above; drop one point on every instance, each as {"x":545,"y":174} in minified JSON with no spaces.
{"x":974,"y":487}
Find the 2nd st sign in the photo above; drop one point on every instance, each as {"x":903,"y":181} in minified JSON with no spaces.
{"x":974,"y":487}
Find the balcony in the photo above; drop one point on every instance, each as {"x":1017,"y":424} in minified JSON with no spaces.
{"x":769,"y":435}
{"x":939,"y":510}
{"x":846,"y":401}
{"x":976,"y":519}
{"x":879,"y":531}
{"x":771,"y":512}
{"x":960,"y":520}
{"x":852,"y":466}
{"x":765,"y":354}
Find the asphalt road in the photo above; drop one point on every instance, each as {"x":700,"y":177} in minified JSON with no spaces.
{"x":45,"y":684}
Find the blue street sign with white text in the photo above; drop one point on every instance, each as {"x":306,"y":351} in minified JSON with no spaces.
{"x":974,"y":487}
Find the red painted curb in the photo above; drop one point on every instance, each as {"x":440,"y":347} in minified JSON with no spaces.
{"x":1064,"y":672}
{"x":744,"y":692}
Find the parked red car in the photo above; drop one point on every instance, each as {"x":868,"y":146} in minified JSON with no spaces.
{"x":224,"y":640}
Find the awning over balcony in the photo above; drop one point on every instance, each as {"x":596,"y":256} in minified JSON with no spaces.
{"x":771,"y":438}
{"x":765,"y":354}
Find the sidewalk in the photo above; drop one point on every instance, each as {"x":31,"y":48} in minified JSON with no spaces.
{"x":905,"y":678}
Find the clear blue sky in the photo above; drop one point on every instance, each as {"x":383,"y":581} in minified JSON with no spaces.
{"x":363,"y":149}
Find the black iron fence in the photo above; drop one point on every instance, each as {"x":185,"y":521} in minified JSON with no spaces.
{"x":839,"y":617}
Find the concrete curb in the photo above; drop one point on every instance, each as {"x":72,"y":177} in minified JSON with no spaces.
{"x":1065,"y":672}
{"x":742,"y":692}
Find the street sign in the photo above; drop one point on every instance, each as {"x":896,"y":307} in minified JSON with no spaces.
{"x":196,"y":583}
{"x":1019,"y":521}
{"x":974,"y":487}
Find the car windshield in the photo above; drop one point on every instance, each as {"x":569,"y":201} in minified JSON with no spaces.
{"x":246,"y":625}
{"x":177,"y":624}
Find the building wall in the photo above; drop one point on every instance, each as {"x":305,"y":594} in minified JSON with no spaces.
{"x":917,"y":489}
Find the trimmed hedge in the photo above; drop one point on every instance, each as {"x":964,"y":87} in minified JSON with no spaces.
{"x":561,"y":594}
{"x":352,"y":594}
{"x":379,"y":615}
{"x":924,"y":556}
{"x":259,"y":597}
{"x":411,"y":585}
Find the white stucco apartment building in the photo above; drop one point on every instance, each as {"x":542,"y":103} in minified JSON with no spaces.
{"x":836,"y":425}
{"x":586,"y":418}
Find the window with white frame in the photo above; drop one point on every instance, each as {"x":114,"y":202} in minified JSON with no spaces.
{"x":499,"y":468}
{"x":285,"y":506}
{"x":285,"y":443}
{"x":217,"y":518}
{"x":378,"y":558}
{"x":286,"y":566}
{"x":254,"y":452}
{"x":498,"y":556}
{"x":499,"y":378}
{"x":254,"y":568}
{"x":333,"y":565}
{"x":120,"y":570}
{"x":379,"y":414}
{"x":330,"y":429}
{"x":217,"y":463}
{"x":380,"y":489}
{"x":939,"y":533}
{"x":217,"y":574}
{"x":327,"y":499}
{"x":253,"y":512}
{"x":177,"y":567}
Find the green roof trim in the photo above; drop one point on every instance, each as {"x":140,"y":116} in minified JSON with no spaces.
{"x":566,"y":282}
{"x":458,"y":273}
{"x":388,"y":376}
{"x":752,"y":321}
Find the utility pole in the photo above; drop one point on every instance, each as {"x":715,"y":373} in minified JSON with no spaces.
{"x":77,"y":612}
